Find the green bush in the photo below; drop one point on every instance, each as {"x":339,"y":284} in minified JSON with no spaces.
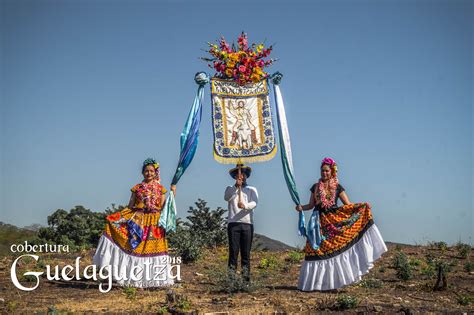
{"x":204,"y":228}
{"x":463,"y":250}
{"x":130,"y":292}
{"x":469,"y":266}
{"x":464,"y":300}
{"x":428,"y":270}
{"x":270,"y":262}
{"x":371,"y":283}
{"x":230,"y":282}
{"x":185,"y":244}
{"x":439,"y":245}
{"x":207,"y":225}
{"x":295,"y":257}
{"x":402,"y":266}
{"x":80,"y":228}
{"x":345,"y":302}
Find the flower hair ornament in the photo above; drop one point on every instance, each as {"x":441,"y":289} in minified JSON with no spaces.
{"x":332,"y":164}
{"x":156,"y":166}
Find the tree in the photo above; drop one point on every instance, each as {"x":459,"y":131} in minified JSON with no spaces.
{"x":204,"y":228}
{"x":80,"y":228}
{"x":209,"y":225}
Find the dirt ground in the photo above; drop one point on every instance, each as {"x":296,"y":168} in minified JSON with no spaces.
{"x":275,"y":276}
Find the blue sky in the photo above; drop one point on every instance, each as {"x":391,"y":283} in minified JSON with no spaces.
{"x":89,"y":89}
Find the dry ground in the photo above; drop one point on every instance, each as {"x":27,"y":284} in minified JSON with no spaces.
{"x":275,"y":276}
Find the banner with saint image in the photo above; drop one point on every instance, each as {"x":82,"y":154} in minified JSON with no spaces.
{"x":242,"y":122}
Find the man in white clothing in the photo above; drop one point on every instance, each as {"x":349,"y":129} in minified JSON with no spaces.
{"x":242,"y":200}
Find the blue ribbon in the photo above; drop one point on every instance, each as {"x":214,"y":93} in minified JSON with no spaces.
{"x":188,"y":145}
{"x":190,"y":134}
{"x":312,"y":232}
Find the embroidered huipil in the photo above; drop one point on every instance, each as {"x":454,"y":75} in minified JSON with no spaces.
{"x":248,"y":196}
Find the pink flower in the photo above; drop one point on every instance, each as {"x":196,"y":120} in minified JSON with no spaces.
{"x":242,"y":68}
{"x":328,"y":160}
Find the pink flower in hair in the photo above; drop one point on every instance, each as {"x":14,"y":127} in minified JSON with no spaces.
{"x":328,"y":161}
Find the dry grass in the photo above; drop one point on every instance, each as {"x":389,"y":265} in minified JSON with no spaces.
{"x":277,"y":275}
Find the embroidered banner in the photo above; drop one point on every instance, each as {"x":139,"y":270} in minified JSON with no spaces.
{"x":242,"y":122}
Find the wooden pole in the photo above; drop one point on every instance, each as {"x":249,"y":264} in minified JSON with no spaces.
{"x":239,"y":173}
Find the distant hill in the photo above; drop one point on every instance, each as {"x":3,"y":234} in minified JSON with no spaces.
{"x":262,"y":242}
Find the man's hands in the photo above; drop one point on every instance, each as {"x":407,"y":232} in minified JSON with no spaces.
{"x":239,"y":181}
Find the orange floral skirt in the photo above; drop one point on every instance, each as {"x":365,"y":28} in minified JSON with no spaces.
{"x":341,"y":228}
{"x":150,"y":239}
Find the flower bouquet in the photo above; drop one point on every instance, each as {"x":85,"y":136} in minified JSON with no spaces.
{"x":243,"y":64}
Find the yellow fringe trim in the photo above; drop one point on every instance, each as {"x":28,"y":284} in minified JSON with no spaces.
{"x":243,"y":160}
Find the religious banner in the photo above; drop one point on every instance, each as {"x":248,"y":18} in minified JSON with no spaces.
{"x":242,"y":122}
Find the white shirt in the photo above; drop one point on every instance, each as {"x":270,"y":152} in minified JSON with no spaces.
{"x":248,"y":196}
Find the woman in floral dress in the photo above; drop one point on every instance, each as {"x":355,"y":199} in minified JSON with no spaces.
{"x":348,"y":242}
{"x":133,"y":244}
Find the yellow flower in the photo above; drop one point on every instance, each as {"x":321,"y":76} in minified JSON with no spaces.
{"x":229,"y":72}
{"x":260,"y":48}
{"x":234,"y":57}
{"x":255,"y":78}
{"x":224,"y":55}
{"x":230,"y":64}
{"x":156,"y":165}
{"x":257,"y":71}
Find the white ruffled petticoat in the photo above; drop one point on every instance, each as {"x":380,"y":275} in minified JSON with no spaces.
{"x":345,"y":268}
{"x":159,"y":267}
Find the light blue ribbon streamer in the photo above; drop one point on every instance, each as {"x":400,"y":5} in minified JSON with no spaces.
{"x":168,"y":214}
{"x":188,"y":145}
{"x":312,"y":232}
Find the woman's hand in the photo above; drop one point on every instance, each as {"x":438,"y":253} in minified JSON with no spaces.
{"x":299,"y":208}
{"x":173,"y":189}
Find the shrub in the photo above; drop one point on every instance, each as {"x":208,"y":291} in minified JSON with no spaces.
{"x":345,"y":302}
{"x":402,"y":266}
{"x":230,"y":282}
{"x":428,"y":270}
{"x":439,"y":245}
{"x":371,"y":283}
{"x":208,"y":225}
{"x":463,"y":250}
{"x":295,"y":257}
{"x":204,"y":228}
{"x":442,"y":267}
{"x":130,"y":292}
{"x":464,"y":300}
{"x":185,"y":244}
{"x":469,"y":266}
{"x":80,"y":228}
{"x":270,"y":262}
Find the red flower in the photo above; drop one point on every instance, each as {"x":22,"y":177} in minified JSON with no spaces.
{"x":157,"y":232}
{"x":114,"y":216}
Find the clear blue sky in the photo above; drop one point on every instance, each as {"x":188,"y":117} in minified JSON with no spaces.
{"x":89,"y":89}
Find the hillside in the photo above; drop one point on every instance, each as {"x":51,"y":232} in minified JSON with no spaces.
{"x":204,"y":288}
